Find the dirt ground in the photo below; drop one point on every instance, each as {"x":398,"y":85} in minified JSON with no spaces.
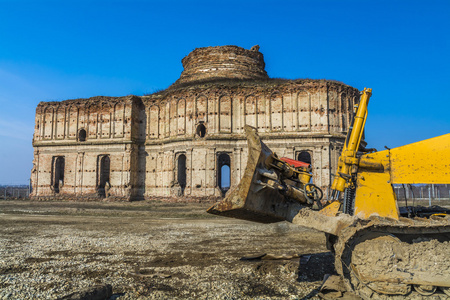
{"x":153,"y":250}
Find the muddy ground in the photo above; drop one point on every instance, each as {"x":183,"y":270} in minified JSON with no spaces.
{"x":153,"y":250}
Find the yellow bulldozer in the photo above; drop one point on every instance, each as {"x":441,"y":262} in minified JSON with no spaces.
{"x":380,"y":251}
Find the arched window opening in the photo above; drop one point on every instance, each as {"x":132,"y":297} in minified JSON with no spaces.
{"x":225,"y":177}
{"x":223,"y":172}
{"x":304,"y":156}
{"x":82,"y":135}
{"x":201,"y":130}
{"x":181,"y":172}
{"x":103,"y":176}
{"x":58,"y":173}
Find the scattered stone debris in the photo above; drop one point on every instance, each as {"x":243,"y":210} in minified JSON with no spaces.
{"x":97,"y":292}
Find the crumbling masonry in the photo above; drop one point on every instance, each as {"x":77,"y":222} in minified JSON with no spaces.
{"x":178,"y":142}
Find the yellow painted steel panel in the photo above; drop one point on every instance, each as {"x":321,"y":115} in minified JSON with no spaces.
{"x":331,"y":210}
{"x":427,"y":162}
{"x":375,"y":196}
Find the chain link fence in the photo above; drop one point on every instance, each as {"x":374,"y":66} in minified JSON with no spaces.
{"x":14,"y":192}
{"x":407,"y":194}
{"x":423,"y":194}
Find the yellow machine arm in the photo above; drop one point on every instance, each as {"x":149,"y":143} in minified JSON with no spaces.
{"x":348,"y":161}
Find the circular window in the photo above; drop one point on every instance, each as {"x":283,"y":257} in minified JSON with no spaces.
{"x":201,"y":130}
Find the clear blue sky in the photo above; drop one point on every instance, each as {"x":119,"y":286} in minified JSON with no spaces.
{"x":58,"y":50}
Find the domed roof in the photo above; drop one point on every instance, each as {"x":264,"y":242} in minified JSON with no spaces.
{"x":222,"y":62}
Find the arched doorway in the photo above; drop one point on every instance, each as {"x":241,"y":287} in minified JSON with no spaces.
{"x":223,"y":172}
{"x":181,"y":172}
{"x":58,"y":173}
{"x":103,"y":175}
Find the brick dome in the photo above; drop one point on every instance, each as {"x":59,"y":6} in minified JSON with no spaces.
{"x":222,"y":62}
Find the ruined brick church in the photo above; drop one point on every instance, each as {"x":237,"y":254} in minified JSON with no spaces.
{"x":188,"y":140}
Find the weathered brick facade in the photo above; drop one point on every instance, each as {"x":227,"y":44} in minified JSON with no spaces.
{"x":175,"y":142}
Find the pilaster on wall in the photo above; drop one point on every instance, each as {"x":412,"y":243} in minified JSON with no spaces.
{"x":237,"y":170}
{"x":35,"y":174}
{"x":189,"y":171}
{"x":210,"y":172}
{"x":79,"y":170}
{"x":134,"y":188}
{"x":141,"y":174}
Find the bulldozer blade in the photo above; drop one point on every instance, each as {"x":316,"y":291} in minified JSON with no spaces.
{"x":250,"y":200}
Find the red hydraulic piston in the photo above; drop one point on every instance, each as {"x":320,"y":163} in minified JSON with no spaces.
{"x":295,"y":163}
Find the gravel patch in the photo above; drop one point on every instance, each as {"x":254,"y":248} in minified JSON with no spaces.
{"x":147,"y":254}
